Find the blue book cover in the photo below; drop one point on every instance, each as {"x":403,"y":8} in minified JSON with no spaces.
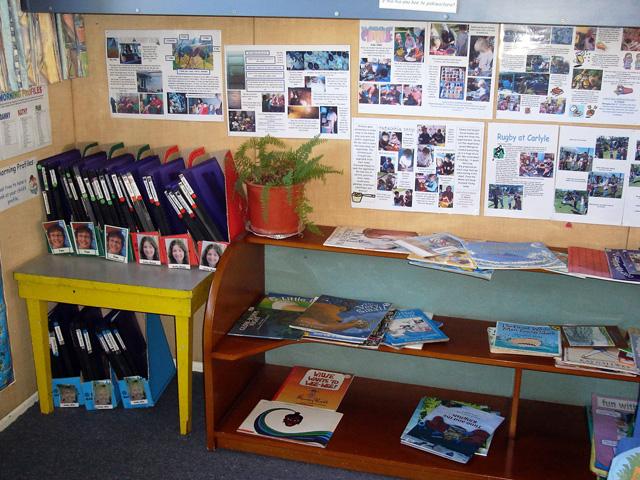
{"x":342,"y":316}
{"x":509,"y":255}
{"x":412,"y":326}
{"x":266,"y":323}
{"x":455,"y":432}
{"x":528,"y":339}
{"x":617,"y":268}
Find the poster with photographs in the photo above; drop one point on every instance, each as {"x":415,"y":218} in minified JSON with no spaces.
{"x":421,"y":68}
{"x":210,"y":254}
{"x":293,"y":91}
{"x":165,"y":74}
{"x":631,"y":216}
{"x":416,"y":165}
{"x":592,"y":176}
{"x":569,"y":73}
{"x":519,"y":180}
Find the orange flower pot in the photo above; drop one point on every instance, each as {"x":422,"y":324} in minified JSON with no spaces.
{"x":277,"y":216}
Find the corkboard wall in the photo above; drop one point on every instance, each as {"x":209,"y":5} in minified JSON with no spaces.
{"x":21,"y":239}
{"x":331,"y":200}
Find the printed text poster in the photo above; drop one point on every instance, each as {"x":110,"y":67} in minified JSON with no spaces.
{"x":25,"y":124}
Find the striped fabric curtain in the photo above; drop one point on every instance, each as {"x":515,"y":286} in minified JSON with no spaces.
{"x":38,"y":48}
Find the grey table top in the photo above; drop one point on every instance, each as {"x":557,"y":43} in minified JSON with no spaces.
{"x":97,"y":269}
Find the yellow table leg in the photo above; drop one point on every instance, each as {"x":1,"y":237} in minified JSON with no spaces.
{"x":37,"y":312}
{"x":184,"y":341}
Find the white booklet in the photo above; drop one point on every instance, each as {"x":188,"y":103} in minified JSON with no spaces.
{"x":291,"y":422}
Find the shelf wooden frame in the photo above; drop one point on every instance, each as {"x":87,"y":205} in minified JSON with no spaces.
{"x":538,"y":436}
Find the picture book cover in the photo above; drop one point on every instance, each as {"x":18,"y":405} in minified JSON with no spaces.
{"x":456,"y":433}
{"x":485,"y":274}
{"x":346,"y":317}
{"x":454,"y":259}
{"x":593,"y":336}
{"x":511,"y":255}
{"x":631,"y":260}
{"x":374,"y":239}
{"x":283,"y":301}
{"x":412,"y":326}
{"x":314,"y":387}
{"x":541,"y":340}
{"x":266,"y":323}
{"x":590,"y":262}
{"x":432,"y":245}
{"x":611,"y":359}
{"x":372,"y":342}
{"x":291,"y":423}
{"x":626,"y":465}
{"x":612,"y":419}
{"x":427,"y":405}
{"x":616,"y":266}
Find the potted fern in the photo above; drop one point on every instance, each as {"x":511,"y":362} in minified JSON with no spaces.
{"x":274,"y":177}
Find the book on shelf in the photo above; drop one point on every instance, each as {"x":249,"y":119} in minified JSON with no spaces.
{"x":314,"y":387}
{"x":432,"y":245}
{"x":291,"y":423}
{"x":617,"y":269}
{"x":454,"y":259}
{"x":588,"y":262}
{"x":266,"y":323}
{"x":625,"y":465}
{"x":283,"y":301}
{"x":522,"y":339}
{"x":612,"y":419}
{"x":412,"y":326}
{"x":606,"y":360}
{"x":344,"y":319}
{"x":372,"y":342}
{"x":511,"y":255}
{"x":371,"y":239}
{"x":485,"y":274}
{"x":453,"y":430}
{"x":593,"y":336}
{"x":631,"y":261}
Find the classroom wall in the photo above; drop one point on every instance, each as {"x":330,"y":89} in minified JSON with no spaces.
{"x":80,"y":112}
{"x":21,"y":239}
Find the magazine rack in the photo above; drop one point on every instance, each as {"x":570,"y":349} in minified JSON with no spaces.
{"x":538,"y":437}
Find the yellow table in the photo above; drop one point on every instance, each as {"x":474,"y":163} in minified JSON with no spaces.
{"x":101,"y":283}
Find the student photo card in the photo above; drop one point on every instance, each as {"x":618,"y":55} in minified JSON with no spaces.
{"x":147,"y":247}
{"x":57,"y":236}
{"x":84,"y":238}
{"x":210,"y":254}
{"x":116,"y":244}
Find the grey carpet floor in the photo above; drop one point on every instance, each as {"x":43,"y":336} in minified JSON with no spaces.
{"x":135,"y":444}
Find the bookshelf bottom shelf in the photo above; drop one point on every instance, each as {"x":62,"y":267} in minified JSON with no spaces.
{"x":552,"y":440}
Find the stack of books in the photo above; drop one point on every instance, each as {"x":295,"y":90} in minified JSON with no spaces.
{"x":303,"y":410}
{"x":521,"y":339}
{"x":617,"y":265}
{"x":451,"y":429}
{"x":597,"y":348}
{"x":341,"y":319}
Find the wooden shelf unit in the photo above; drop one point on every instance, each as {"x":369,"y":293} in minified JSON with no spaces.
{"x":539,"y":438}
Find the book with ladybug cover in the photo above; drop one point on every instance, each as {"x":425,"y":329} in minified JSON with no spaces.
{"x":291,"y":423}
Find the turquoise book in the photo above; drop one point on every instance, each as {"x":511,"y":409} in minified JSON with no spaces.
{"x":518,"y":338}
{"x":412,"y":326}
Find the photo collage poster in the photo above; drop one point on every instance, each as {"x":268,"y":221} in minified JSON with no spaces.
{"x":569,"y":74}
{"x":6,"y":365}
{"x":575,"y":174}
{"x":416,"y":165}
{"x":520,"y":163}
{"x":430,"y":69}
{"x":165,"y":74}
{"x":293,"y":91}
